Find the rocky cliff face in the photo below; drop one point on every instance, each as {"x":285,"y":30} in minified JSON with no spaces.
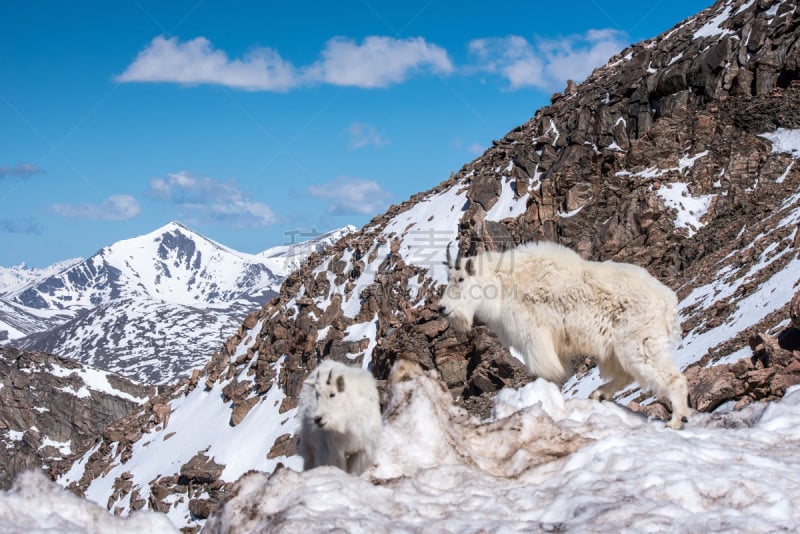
{"x":678,"y":155}
{"x":52,"y":409}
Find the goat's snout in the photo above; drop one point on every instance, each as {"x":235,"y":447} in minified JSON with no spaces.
{"x":319,"y":422}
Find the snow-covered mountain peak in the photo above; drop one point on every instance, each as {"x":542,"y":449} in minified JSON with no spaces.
{"x":172,"y":264}
{"x":177,"y":265}
{"x":150,"y":307}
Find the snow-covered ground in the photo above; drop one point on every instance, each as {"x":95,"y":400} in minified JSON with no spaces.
{"x":540,"y":463}
{"x":544,"y":463}
{"x":36,"y":505}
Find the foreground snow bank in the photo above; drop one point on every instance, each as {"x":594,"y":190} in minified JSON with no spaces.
{"x":35,"y":504}
{"x":542,"y":463}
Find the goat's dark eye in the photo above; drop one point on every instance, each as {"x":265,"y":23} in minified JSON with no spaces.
{"x":332,"y":395}
{"x":460,"y":279}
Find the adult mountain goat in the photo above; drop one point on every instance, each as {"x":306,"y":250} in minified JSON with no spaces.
{"x":340,"y":421}
{"x":551,"y":305}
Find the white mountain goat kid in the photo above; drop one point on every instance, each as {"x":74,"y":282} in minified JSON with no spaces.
{"x":340,"y":418}
{"x":551,"y":305}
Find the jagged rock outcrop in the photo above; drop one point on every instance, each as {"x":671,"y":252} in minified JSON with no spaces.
{"x":52,"y":409}
{"x":671,"y":156}
{"x":655,"y":159}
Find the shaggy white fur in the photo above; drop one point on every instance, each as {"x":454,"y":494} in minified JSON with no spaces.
{"x":551,"y":305}
{"x":340,"y":418}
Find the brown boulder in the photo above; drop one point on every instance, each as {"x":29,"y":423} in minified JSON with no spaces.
{"x":432,"y":329}
{"x":241,"y":409}
{"x":202,"y":508}
{"x":200,"y":469}
{"x":767,"y":350}
{"x":712,"y":387}
{"x":285,"y":445}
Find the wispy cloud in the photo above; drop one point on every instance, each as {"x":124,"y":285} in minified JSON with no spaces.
{"x":352,"y":196}
{"x":27,"y":225}
{"x":197,"y":62}
{"x":212,"y":200}
{"x":546,"y":63}
{"x":377,"y":62}
{"x":476,"y":149}
{"x":114,"y":208}
{"x":363,"y":134}
{"x":21,"y":170}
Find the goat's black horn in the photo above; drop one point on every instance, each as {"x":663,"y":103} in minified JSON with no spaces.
{"x":330,"y":376}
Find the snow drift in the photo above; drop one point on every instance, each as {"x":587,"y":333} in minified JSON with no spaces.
{"x":36,"y":505}
{"x":542,"y":463}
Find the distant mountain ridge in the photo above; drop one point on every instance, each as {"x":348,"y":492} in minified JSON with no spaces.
{"x":18,"y":276}
{"x":172,"y":264}
{"x":151,"y":307}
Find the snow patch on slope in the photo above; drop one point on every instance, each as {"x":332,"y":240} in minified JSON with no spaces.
{"x":509,"y":204}
{"x":95,"y":380}
{"x":784,"y":140}
{"x":199,"y":421}
{"x":428,"y":228}
{"x":689,"y":210}
{"x":713,"y":27}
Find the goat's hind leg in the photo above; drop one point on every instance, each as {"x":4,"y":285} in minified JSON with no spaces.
{"x":653,"y":366}
{"x":611,"y":368}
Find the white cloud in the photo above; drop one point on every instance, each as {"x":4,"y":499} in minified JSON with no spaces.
{"x":548,"y":63}
{"x":20,"y":170}
{"x":377,"y":62}
{"x":197,"y":62}
{"x":349,"y":196}
{"x":512,"y":57}
{"x":363,"y":134}
{"x":211,"y":199}
{"x":114,"y":208}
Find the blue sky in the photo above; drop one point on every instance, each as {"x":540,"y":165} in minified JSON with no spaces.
{"x":248,"y":120}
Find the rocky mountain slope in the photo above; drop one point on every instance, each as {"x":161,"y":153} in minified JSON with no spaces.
{"x":678,"y":155}
{"x":52,"y":408}
{"x":152,"y":307}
